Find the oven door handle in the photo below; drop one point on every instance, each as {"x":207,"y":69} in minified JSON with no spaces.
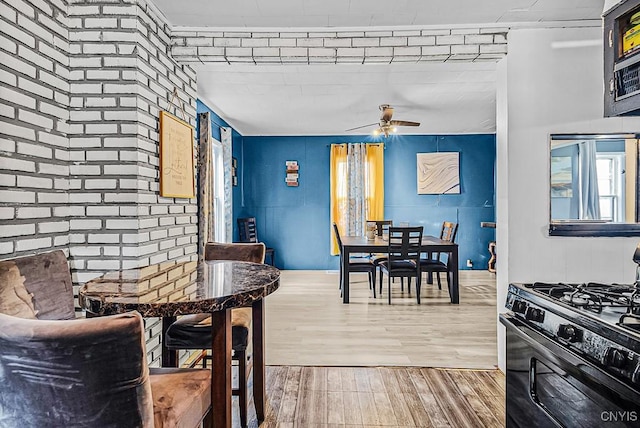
{"x":533,"y":392}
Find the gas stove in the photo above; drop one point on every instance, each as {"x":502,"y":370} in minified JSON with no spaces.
{"x":599,"y":322}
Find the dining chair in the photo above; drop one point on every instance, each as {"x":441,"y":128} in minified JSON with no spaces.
{"x":382,"y":226}
{"x":382,"y":229}
{"x":191,"y":332}
{"x":93,"y":372}
{"x":248,"y":233}
{"x":37,"y":286}
{"x":433,"y":263}
{"x":403,"y":257}
{"x":357,"y":264}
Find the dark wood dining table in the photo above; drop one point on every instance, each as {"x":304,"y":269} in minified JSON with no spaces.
{"x":430,"y":244}
{"x":168,"y":290}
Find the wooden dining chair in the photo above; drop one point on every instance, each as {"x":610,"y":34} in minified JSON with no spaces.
{"x":382,"y":226}
{"x":382,"y":229}
{"x":434,"y":263}
{"x":93,"y":372}
{"x":191,"y":332}
{"x":357,"y":264}
{"x":248,"y":233}
{"x":403,"y":257}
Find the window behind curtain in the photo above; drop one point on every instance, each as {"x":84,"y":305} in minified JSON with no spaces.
{"x":357,"y":187}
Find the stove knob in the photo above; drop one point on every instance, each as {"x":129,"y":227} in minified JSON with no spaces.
{"x":616,"y":358}
{"x":520,"y":306}
{"x":570,"y":333}
{"x":534,"y":314}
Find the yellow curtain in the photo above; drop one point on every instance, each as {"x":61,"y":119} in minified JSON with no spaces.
{"x":375,"y":184}
{"x":338,"y":190}
{"x":339,"y":183}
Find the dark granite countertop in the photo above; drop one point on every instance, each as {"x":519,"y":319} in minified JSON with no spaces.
{"x":171,"y":289}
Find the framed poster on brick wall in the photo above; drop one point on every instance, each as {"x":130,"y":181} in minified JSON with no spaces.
{"x":176,"y":157}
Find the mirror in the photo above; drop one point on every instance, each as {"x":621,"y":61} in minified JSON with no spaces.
{"x":593,"y":184}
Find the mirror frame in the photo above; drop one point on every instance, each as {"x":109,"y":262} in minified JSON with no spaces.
{"x":591,"y":228}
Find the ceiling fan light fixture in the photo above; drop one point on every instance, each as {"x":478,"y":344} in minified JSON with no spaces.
{"x":385,"y":125}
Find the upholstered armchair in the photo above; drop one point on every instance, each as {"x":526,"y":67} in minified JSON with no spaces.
{"x":92,"y":373}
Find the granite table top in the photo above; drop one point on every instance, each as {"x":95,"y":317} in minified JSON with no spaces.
{"x":172,"y":289}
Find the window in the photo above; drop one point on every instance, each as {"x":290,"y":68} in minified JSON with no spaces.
{"x":610,"y":167}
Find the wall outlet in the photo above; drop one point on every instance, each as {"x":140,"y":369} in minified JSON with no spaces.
{"x":469,"y":263}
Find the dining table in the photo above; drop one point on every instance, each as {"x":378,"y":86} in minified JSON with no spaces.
{"x":430,"y":244}
{"x":168,"y":290}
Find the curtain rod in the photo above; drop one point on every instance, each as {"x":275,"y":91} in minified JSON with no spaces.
{"x":338,"y":144}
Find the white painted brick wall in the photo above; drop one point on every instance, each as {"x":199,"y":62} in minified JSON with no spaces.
{"x":33,"y":140}
{"x":318,"y":47}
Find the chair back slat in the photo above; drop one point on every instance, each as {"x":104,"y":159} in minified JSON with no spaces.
{"x":405,"y":243}
{"x":247,"y":229}
{"x":382,"y":226}
{"x":448,"y":233}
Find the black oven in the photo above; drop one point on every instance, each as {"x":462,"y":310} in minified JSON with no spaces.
{"x":549,"y":385}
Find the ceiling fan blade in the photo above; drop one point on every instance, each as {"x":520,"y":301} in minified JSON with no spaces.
{"x":404,"y":123}
{"x":360,"y":127}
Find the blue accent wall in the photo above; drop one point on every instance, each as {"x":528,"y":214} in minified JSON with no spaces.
{"x":296,"y":220}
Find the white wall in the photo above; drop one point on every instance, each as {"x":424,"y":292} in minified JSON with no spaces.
{"x":551,"y":87}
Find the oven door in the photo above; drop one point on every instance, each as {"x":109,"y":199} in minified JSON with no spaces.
{"x":548,"y":385}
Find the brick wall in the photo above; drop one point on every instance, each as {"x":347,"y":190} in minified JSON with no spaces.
{"x":122,"y":76}
{"x":82,"y":83}
{"x":34,"y":113}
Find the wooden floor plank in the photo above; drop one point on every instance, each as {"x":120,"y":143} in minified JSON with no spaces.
{"x":335,"y":408}
{"x":398,"y":401}
{"x":382,"y":397}
{"x":435,"y":413}
{"x":290,"y":395}
{"x":352,"y":414}
{"x":484,"y":412}
{"x":451,"y":400}
{"x":368,"y":409}
{"x":276,"y":378}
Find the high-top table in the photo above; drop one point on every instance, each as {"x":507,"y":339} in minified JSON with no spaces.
{"x":430,"y":244}
{"x":170,"y":289}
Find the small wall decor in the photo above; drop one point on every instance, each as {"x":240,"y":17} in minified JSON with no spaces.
{"x":292,"y":173}
{"x":234,"y":172}
{"x":438,"y":173}
{"x":176,"y":157}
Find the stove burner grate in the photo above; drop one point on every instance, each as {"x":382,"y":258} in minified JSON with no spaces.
{"x":593,"y":296}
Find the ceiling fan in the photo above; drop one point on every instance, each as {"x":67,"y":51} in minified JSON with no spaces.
{"x":386,"y":125}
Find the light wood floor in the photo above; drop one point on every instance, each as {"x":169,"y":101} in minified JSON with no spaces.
{"x":381,"y":396}
{"x":308,"y":325}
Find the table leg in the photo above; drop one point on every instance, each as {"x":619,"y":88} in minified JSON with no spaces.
{"x":169,"y":358}
{"x":454,"y":292}
{"x":345,"y":276}
{"x":221,"y":368}
{"x":259,"y":384}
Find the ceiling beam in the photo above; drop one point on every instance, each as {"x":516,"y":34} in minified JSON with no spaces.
{"x":334,"y":47}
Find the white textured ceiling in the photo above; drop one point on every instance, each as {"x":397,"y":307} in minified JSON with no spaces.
{"x":455,"y":97}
